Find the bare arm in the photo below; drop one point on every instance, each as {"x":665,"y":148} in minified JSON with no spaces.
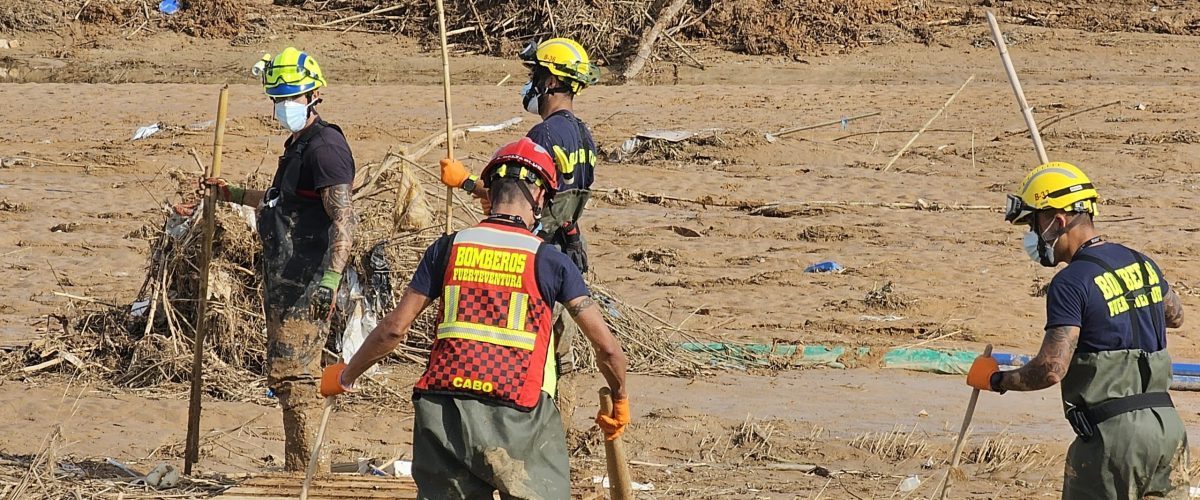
{"x":610,"y":358}
{"x":390,"y":332}
{"x":341,"y":234}
{"x":1174,"y":309}
{"x":1049,"y":366}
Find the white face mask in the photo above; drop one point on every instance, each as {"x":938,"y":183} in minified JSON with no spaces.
{"x":529,"y":98}
{"x":292,"y":115}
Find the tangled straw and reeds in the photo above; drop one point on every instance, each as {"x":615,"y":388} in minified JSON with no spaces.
{"x":148,"y":345}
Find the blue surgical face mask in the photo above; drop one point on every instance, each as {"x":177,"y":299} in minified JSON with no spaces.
{"x":292,"y":115}
{"x":530,"y":97}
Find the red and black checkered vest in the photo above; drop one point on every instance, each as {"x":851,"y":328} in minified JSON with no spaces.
{"x":494,"y":331}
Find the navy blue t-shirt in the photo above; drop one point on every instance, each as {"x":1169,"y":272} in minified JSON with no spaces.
{"x":327,"y":161}
{"x":570,"y":143}
{"x":558,"y":278}
{"x":1088,"y":296}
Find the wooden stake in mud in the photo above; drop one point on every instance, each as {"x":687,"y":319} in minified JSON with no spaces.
{"x":940,"y":492}
{"x":192,"y":446}
{"x":614,"y":453}
{"x":927,"y":124}
{"x":441,"y":9}
{"x":1026,"y":111}
{"x":316,"y":452}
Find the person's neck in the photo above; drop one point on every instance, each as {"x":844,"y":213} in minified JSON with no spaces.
{"x":519,"y":210}
{"x":554,"y":104}
{"x":1075,"y":239}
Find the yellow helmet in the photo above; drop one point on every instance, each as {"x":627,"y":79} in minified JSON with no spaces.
{"x":565,"y":58}
{"x":1055,"y":185}
{"x":290,"y":73}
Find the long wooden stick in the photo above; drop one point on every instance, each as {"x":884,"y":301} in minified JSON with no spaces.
{"x":192,"y":448}
{"x":316,"y":451}
{"x":441,"y":8}
{"x":788,"y":131}
{"x":619,"y":482}
{"x":1026,"y":110}
{"x":927,"y":124}
{"x":962,"y":433}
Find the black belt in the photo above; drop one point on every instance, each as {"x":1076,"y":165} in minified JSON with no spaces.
{"x":1084,"y":420}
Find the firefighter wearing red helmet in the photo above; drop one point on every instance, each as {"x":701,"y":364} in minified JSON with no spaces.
{"x":485,"y":400}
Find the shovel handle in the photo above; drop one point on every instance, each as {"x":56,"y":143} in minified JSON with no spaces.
{"x":614,"y":454}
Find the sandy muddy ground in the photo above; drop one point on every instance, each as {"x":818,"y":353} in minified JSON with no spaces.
{"x":958,"y":276}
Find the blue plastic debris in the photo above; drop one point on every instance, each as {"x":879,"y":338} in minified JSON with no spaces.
{"x":828,"y":266}
{"x":168,"y":7}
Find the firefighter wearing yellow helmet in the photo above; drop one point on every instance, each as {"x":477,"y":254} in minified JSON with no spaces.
{"x":559,"y":69}
{"x":306,"y":223}
{"x":1105,"y":344}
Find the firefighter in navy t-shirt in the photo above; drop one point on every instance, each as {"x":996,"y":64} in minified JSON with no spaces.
{"x":485,"y":401}
{"x":1106,"y":345}
{"x":559,"y":69}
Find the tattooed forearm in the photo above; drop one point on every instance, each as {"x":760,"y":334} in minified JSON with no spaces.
{"x":580,"y":306}
{"x":341,"y":234}
{"x":1049,"y":366}
{"x":1174,"y":309}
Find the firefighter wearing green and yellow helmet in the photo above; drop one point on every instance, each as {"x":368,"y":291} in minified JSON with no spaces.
{"x":306,"y":223}
{"x":1105,"y":344}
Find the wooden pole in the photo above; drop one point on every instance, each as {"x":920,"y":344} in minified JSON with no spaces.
{"x":646,"y":45}
{"x":927,"y":124}
{"x":614,"y":453}
{"x":940,"y":492}
{"x":788,"y":131}
{"x":1026,"y":111}
{"x":316,"y":451}
{"x":192,"y":448}
{"x":441,"y":8}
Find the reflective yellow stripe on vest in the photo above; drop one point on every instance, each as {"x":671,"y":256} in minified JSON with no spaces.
{"x":517,"y":339}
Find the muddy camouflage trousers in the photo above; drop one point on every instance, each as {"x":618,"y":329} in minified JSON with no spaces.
{"x":294,"y":346}
{"x":1140,"y":454}
{"x":466,"y":449}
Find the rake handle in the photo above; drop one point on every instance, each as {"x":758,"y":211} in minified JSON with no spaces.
{"x":962,"y":433}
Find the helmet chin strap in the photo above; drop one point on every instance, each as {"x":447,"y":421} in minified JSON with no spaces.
{"x":537,"y":209}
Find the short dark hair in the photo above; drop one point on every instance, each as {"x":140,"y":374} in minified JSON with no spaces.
{"x":504,"y":190}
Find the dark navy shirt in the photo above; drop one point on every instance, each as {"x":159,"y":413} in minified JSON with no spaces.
{"x":570,"y":143}
{"x":1088,"y":296}
{"x":557,"y":277}
{"x":327,"y":161}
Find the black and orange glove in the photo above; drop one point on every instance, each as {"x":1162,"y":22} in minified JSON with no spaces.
{"x":614,"y":425}
{"x":572,"y":245}
{"x":985,"y":374}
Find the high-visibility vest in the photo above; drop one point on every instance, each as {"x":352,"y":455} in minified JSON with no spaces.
{"x":494,"y":330}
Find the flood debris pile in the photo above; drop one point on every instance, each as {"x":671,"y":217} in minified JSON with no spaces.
{"x":147,"y":344}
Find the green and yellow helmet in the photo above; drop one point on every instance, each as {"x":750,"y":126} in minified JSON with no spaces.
{"x":1055,"y":185}
{"x":290,"y":73}
{"x":565,"y":58}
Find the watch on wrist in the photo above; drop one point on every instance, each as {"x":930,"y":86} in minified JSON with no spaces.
{"x":469,"y":184}
{"x":994,"y":382}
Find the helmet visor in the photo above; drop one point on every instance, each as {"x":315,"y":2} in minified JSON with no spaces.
{"x":1016,"y":211}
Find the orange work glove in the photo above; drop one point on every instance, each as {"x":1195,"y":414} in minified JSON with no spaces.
{"x":614,"y":425}
{"x":453,"y":172}
{"x":980,"y":376}
{"x":331,"y":380}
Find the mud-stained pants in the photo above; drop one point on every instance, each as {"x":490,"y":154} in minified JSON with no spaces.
{"x":466,"y":449}
{"x":1142,"y":453}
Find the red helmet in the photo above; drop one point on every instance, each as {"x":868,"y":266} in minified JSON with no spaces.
{"x":524,"y":160}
